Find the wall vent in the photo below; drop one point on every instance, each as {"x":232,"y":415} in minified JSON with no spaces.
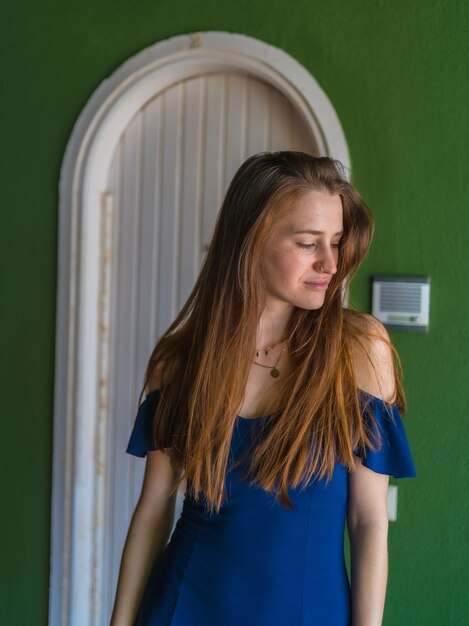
{"x":402,"y":301}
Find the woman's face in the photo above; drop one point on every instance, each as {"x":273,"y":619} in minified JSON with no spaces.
{"x":300,"y":256}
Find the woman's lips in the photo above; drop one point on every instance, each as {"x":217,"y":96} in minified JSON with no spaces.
{"x":318,"y":284}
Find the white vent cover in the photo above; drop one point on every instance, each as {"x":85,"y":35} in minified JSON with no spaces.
{"x":402,"y":301}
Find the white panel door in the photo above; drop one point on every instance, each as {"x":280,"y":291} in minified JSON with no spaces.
{"x":166,"y":183}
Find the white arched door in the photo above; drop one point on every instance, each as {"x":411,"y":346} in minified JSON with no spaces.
{"x":147,"y":172}
{"x":170,"y":170}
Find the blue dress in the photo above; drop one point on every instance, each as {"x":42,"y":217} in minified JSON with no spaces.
{"x":257,"y":563}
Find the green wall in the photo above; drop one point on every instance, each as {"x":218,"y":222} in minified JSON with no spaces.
{"x":397,"y":74}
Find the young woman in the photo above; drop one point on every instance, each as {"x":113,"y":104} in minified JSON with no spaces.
{"x":280,"y":409}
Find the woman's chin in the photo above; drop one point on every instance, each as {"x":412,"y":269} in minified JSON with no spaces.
{"x":310,"y":304}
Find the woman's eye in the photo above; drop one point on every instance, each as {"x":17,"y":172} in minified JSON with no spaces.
{"x":312,"y":246}
{"x":306,"y":246}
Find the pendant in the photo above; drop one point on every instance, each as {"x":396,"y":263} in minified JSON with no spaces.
{"x":274,"y":373}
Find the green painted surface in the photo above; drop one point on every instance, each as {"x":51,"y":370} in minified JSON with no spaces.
{"x":397,"y":75}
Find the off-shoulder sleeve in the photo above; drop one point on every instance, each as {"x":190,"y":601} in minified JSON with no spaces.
{"x":394,"y":457}
{"x":141,"y":438}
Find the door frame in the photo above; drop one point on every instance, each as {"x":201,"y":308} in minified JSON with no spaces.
{"x":82,"y":307}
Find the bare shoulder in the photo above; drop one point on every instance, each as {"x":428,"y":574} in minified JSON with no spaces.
{"x":372,"y":356}
{"x":156,"y":378}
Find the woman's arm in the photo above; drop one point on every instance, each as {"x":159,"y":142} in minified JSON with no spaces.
{"x":367,"y":524}
{"x":148,"y":534}
{"x":367,"y":517}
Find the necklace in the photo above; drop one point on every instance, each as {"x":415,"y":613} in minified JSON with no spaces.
{"x":267,"y":348}
{"x":274,"y":372}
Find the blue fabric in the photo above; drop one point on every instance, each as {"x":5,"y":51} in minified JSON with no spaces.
{"x":394,"y":456}
{"x":141,"y":439}
{"x":257,"y":563}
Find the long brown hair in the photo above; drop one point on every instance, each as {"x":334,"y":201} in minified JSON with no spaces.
{"x":315,"y":415}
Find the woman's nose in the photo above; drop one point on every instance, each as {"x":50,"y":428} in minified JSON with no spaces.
{"x":327,"y":262}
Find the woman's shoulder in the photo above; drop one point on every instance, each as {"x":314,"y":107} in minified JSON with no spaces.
{"x":364,"y":321}
{"x":155,"y":378}
{"x":371,"y":354}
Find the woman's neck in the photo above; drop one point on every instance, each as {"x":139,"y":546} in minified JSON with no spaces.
{"x":273,"y":325}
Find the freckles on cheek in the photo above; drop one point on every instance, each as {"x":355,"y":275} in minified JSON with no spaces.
{"x":277,"y":260}
{"x":291,"y":258}
{"x":286,"y":264}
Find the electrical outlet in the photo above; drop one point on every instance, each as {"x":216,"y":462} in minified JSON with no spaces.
{"x":392,"y":503}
